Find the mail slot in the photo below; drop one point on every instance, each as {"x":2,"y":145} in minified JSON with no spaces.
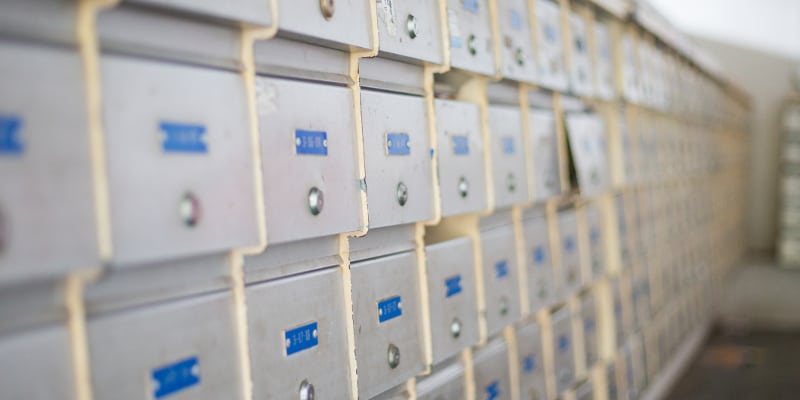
{"x":509,"y":167}
{"x":581,"y":80}
{"x":411,"y":29}
{"x":541,"y":282}
{"x":471,"y":42}
{"x":547,"y":179}
{"x":563,"y":349}
{"x":516,"y":41}
{"x":452,"y":296}
{"x":397,"y":158}
{"x":193,"y":190}
{"x":500,"y":278}
{"x":491,"y":370}
{"x":185,"y":347}
{"x":387,"y":321}
{"x":462,"y":176}
{"x":309,"y":163}
{"x":297,"y":337}
{"x":46,"y":199}
{"x":530,"y":358}
{"x":552,"y":71}
{"x":326,"y":22}
{"x":570,"y":277}
{"x":37,"y":364}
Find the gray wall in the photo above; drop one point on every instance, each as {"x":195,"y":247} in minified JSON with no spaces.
{"x":768,"y":79}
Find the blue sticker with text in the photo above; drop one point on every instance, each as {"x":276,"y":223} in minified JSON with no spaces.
{"x":508,"y":145}
{"x":538,"y":254}
{"x":563,"y":343}
{"x":389,"y":309}
{"x":175,"y":377}
{"x":529,"y":363}
{"x":460,"y":144}
{"x":301,"y":338}
{"x":183,"y":137}
{"x":471,"y":6}
{"x":569,"y":244}
{"x":516,"y":20}
{"x":398,"y":144}
{"x":501,"y":269}
{"x":10,"y":140}
{"x":314,"y":143}
{"x":493,"y":391}
{"x":452,"y":286}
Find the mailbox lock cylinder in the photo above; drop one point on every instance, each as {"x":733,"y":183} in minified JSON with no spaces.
{"x":189,"y":209}
{"x":316,"y":201}
{"x":327,"y":7}
{"x":306,"y":391}
{"x":393,"y":354}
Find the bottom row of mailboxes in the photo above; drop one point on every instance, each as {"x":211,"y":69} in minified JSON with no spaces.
{"x":297,"y":330}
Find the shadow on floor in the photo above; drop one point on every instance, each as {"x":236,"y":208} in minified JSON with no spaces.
{"x":743,"y":366}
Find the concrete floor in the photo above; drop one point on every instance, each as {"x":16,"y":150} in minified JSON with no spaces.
{"x":754,"y":354}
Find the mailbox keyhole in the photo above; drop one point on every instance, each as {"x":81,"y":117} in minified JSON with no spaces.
{"x":393,"y":354}
{"x":306,"y":391}
{"x":402,"y":194}
{"x":463,"y":187}
{"x":316,"y":201}
{"x":455,"y":328}
{"x":189,"y":210}
{"x":327,"y":7}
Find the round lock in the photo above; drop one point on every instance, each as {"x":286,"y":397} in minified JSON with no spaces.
{"x":411,"y":26}
{"x":306,"y":391}
{"x":471,"y":45}
{"x":463,"y":187}
{"x":511,"y":182}
{"x":316,"y":201}
{"x":402,"y":193}
{"x":503,"y":306}
{"x":189,"y":209}
{"x":455,"y":328}
{"x":393,"y":354}
{"x":520,"y":57}
{"x":327,"y":7}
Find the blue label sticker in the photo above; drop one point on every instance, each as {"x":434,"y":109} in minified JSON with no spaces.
{"x":529,"y":363}
{"x":455,"y":42}
{"x":569,"y":244}
{"x":563,"y":343}
{"x":501,"y":269}
{"x":460,"y":144}
{"x":389,"y":308}
{"x":175,"y":377}
{"x":508,"y":145}
{"x":493,"y":391}
{"x":471,"y":6}
{"x":10,"y":141}
{"x":398,"y":144}
{"x":183,"y":138}
{"x":301,"y":338}
{"x":516,"y":20}
{"x":452,"y":286}
{"x":594,"y":235}
{"x":538,"y":254}
{"x":314,"y":143}
{"x":550,"y":33}
{"x":589,"y":325}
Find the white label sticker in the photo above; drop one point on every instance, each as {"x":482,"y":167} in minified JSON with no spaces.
{"x":386,"y":14}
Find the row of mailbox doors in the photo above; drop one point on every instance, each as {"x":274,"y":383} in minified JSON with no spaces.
{"x":298,"y":329}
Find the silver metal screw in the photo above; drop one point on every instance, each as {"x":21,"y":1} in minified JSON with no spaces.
{"x":455,"y":328}
{"x":463,"y":187}
{"x":316,"y":201}
{"x":402,"y":193}
{"x":189,"y":209}
{"x":471,"y":45}
{"x":306,"y":391}
{"x":411,"y":26}
{"x":394,"y":356}
{"x":327,"y":7}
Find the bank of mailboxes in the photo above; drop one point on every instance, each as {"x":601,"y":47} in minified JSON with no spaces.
{"x":490,"y":365}
{"x":509,"y":166}
{"x":471,"y":39}
{"x":538,"y":261}
{"x":581,"y":79}
{"x":500,"y":277}
{"x":530,"y":359}
{"x":518,"y":60}
{"x":552,"y":66}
